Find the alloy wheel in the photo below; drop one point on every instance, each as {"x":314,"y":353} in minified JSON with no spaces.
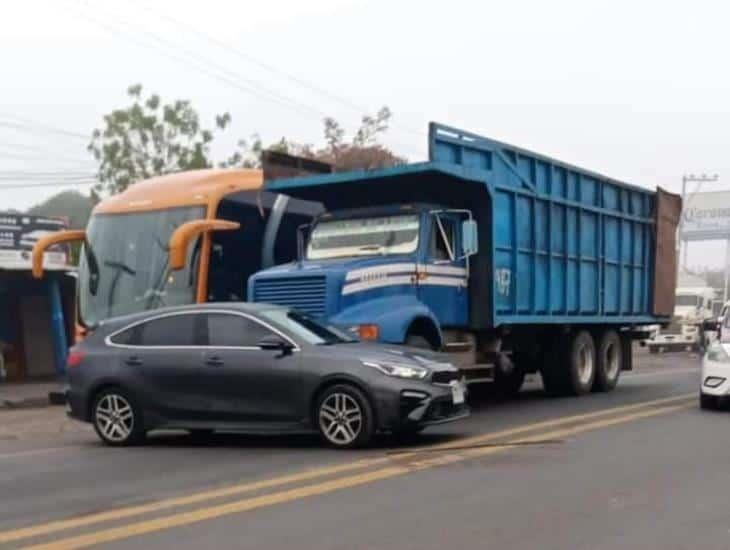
{"x":340,"y":418}
{"x":114,"y":417}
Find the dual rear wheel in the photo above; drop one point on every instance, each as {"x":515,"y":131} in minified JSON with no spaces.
{"x":580,"y":363}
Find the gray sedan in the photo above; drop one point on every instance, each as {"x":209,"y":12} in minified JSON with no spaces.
{"x":253,"y":368}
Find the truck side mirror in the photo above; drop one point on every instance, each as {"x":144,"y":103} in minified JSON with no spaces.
{"x":469,"y":238}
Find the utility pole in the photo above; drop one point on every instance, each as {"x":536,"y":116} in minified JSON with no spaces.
{"x":683,"y":243}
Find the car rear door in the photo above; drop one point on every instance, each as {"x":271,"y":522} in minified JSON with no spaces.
{"x":164,"y":362}
{"x":247,"y":384}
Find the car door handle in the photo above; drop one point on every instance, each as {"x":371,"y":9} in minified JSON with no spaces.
{"x":214,"y":361}
{"x":133,"y":361}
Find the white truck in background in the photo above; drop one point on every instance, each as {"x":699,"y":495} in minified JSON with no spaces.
{"x":693,"y":307}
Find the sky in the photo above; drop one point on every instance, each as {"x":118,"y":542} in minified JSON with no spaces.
{"x":637,"y":90}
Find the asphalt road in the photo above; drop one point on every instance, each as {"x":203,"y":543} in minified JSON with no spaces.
{"x":641,"y":467}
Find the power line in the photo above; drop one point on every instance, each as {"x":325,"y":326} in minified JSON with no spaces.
{"x":33,"y":127}
{"x":45,"y":185}
{"x":229,"y":77}
{"x":266,"y":66}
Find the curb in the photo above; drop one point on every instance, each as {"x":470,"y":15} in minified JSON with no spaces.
{"x":53,"y":398}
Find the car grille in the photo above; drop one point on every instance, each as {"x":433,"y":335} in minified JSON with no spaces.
{"x":444,"y":377}
{"x":307,"y":294}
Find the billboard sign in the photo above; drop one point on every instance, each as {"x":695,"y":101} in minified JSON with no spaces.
{"x":706,"y":216}
{"x":18,"y":234}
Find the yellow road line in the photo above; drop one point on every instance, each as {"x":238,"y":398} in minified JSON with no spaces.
{"x":175,"y":502}
{"x":213,"y":512}
{"x":121,"y":513}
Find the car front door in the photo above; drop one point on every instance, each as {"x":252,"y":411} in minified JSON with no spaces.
{"x":164,"y":363}
{"x":247,"y":384}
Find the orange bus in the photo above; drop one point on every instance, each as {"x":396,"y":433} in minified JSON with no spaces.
{"x":178,"y":239}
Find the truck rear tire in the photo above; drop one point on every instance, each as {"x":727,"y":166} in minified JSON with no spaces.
{"x":609,"y":361}
{"x":572,"y":365}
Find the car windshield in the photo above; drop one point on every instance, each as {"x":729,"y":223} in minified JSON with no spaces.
{"x":306,"y":328}
{"x":364,"y":237}
{"x":123,"y":267}
{"x":687,"y":300}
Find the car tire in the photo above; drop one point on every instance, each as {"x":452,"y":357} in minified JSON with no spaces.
{"x":609,"y":361}
{"x":344,"y":417}
{"x":708,"y":402}
{"x":117,"y":418}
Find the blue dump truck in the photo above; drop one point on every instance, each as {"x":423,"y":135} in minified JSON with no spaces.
{"x":509,"y":261}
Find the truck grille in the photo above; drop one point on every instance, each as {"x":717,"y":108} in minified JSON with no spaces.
{"x":307,"y":294}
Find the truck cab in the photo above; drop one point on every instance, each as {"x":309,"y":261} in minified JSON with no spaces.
{"x":393,"y":273}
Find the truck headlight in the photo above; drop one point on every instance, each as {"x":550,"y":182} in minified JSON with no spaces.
{"x":398,"y":370}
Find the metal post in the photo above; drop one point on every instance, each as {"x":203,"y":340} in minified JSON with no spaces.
{"x":58,"y":325}
{"x":683,"y":243}
{"x":727,"y":269}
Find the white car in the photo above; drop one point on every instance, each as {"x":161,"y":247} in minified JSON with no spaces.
{"x":715,"y":381}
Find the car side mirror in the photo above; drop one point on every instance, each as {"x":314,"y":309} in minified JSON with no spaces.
{"x":275,"y":343}
{"x":469,"y":238}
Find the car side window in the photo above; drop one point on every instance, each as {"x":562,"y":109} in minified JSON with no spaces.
{"x":174,"y":330}
{"x":229,"y":330}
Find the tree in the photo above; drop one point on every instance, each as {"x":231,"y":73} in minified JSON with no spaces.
{"x":363,"y":152}
{"x":149,"y":138}
{"x":73,"y":206}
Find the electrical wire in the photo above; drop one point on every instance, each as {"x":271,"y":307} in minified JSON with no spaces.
{"x":195,"y":60}
{"x":263,"y":65}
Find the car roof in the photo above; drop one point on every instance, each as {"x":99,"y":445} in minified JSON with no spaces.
{"x":245,"y":307}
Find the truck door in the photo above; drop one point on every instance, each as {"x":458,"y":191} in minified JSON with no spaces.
{"x":442,"y":274}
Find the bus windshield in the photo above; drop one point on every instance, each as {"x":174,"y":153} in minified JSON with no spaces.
{"x":124,"y":264}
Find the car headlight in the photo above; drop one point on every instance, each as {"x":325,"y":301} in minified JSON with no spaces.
{"x":716,"y":352}
{"x":399,"y":370}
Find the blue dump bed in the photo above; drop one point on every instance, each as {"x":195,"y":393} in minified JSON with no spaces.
{"x":557,"y":244}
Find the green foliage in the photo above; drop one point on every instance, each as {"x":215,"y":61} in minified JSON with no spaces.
{"x":73,"y":206}
{"x":150,"y":138}
{"x":362,"y":152}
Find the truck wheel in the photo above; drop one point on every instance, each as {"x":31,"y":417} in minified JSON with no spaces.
{"x":508,"y":385}
{"x":418,"y":341}
{"x":572,"y":368}
{"x":609,"y":361}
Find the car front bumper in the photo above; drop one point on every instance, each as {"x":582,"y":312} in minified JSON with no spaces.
{"x":417,"y":405}
{"x":715,"y":379}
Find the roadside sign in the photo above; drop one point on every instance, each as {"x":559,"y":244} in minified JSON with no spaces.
{"x":706,"y":216}
{"x":18,"y":234}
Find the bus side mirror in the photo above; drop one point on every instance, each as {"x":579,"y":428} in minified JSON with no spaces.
{"x":44,"y":243}
{"x":469,"y":238}
{"x":182,"y":236}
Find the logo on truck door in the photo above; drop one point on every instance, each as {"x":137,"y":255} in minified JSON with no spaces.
{"x":503,"y":279}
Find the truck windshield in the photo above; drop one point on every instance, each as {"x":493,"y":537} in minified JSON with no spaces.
{"x":687,"y":300}
{"x":123,"y":267}
{"x":306,"y":328}
{"x":364,"y":237}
